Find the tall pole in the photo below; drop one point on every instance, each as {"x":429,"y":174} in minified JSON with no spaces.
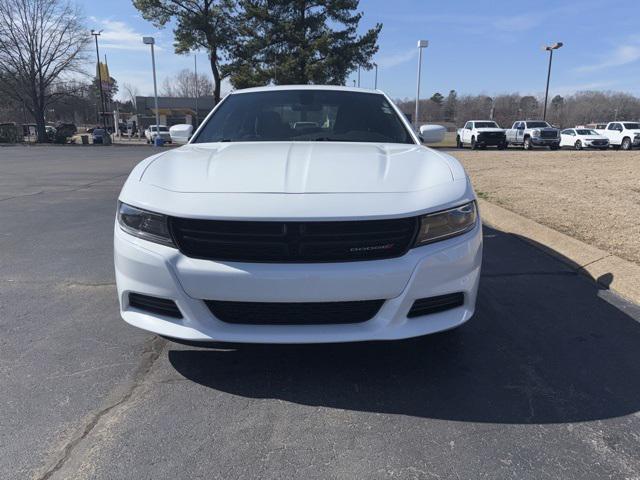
{"x":195,"y":67}
{"x":546,"y":93}
{"x":358,"y":76}
{"x":104,"y":120}
{"x":550,"y":49}
{"x":421,"y":44}
{"x":376,"y":81}
{"x":155,"y":90}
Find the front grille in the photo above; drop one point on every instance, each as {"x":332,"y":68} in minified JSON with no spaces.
{"x":548,"y":134}
{"x":314,"y":313}
{"x":493,"y":135}
{"x":156,"y":305}
{"x":599,"y":142}
{"x":427,"y":306}
{"x":293,"y":242}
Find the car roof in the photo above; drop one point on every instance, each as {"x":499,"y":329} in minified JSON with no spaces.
{"x":271,"y":88}
{"x":483,"y":121}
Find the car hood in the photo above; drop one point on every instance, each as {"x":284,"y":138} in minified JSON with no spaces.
{"x":300,"y":167}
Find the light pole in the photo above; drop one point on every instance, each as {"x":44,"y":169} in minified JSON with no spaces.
{"x":375,"y":65}
{"x":550,"y":49}
{"x":421,"y":45}
{"x":195,"y":66}
{"x":358,"y":76}
{"x":104,"y":120}
{"x":151,"y":41}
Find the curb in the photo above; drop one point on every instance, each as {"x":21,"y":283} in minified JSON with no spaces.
{"x":607,"y":270}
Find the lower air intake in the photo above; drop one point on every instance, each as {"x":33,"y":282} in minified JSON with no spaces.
{"x":314,"y":313}
{"x":427,"y":306}
{"x":155,"y":305}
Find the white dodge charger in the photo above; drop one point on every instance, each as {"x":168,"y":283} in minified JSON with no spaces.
{"x":298,"y":215}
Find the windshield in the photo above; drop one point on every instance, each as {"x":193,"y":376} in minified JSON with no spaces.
{"x":632,"y":126}
{"x":586,"y":132}
{"x":537,"y":124}
{"x":305,"y":115}
{"x":487,"y":125}
{"x":162,"y":128}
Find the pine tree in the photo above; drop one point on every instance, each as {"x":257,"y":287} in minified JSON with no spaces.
{"x":300,"y":42}
{"x":451,"y":106}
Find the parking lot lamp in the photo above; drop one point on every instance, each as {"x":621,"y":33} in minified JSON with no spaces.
{"x":151,"y":41}
{"x":102,"y":103}
{"x":550,"y":49}
{"x":421,"y":45}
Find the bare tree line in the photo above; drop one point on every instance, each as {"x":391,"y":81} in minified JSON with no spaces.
{"x":187,"y":84}
{"x":577,"y":109}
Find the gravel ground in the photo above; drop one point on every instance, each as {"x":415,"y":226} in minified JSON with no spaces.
{"x":592,"y":196}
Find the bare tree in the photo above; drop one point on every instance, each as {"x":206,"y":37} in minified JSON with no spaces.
{"x":185,"y":84}
{"x":40,"y":42}
{"x":130,"y":93}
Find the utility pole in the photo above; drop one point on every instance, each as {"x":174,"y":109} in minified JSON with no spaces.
{"x":549,"y":49}
{"x":375,"y":65}
{"x":358,"y":76}
{"x":104,"y":120}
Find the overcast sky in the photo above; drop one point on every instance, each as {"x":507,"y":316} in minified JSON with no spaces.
{"x":475,"y":46}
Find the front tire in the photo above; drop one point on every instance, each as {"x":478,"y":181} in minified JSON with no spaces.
{"x":626,"y":143}
{"x":578,"y":145}
{"x":474,"y":144}
{"x":527,"y":144}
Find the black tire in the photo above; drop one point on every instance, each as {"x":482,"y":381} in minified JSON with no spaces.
{"x":459,"y":143}
{"x":474,"y":145}
{"x":578,"y":145}
{"x":502,"y":146}
{"x":626,"y":144}
{"x":527,"y":144}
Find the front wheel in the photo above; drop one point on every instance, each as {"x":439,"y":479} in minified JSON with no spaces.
{"x":502,"y":146}
{"x":578,"y":145}
{"x":527,"y":144}
{"x":474,"y":144}
{"x":626,"y":144}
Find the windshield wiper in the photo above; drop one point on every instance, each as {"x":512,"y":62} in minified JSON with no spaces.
{"x":329,"y":139}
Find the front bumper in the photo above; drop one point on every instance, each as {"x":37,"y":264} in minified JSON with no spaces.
{"x":441,"y":268}
{"x":545,"y":142}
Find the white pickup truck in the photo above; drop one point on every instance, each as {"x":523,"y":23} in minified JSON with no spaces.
{"x":625,"y":135}
{"x":533,"y":133}
{"x":481,"y":134}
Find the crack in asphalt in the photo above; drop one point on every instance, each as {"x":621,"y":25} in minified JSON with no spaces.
{"x":75,"y":189}
{"x":151,"y":353}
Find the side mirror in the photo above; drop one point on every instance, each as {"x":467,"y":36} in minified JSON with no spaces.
{"x":432,"y":133}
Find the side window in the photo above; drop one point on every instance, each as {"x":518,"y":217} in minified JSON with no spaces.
{"x":566,"y":132}
{"x":467,"y":126}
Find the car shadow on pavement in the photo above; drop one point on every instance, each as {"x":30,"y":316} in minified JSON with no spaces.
{"x":545,"y":346}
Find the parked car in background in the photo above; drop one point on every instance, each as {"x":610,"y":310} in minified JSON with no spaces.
{"x":98,"y":135}
{"x":481,"y":134}
{"x":154,"y":131}
{"x":181,"y":133}
{"x":625,"y":135}
{"x":382,"y":241}
{"x":580,"y":138}
{"x":533,"y":133}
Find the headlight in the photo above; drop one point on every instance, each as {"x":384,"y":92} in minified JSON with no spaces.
{"x":144,"y":224}
{"x":450,"y":223}
{"x":535,"y":133}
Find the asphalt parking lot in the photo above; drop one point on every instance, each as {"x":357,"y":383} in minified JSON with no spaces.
{"x":544,"y":382}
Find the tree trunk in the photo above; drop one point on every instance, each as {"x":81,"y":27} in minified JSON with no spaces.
{"x":213,"y":60}
{"x":38,"y":114}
